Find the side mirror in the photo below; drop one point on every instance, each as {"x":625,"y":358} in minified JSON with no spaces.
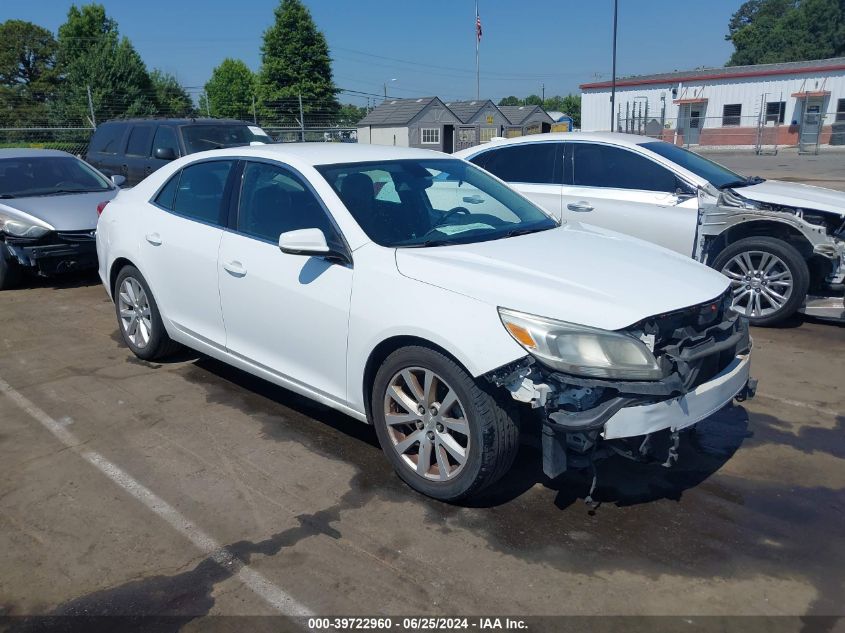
{"x":118,"y":180}
{"x":165,"y":153}
{"x":311,"y":242}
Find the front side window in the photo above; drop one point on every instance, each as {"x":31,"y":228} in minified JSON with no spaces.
{"x":431,"y":136}
{"x":165,"y":138}
{"x":437,"y":202}
{"x":200,"y":138}
{"x":274,"y":200}
{"x":598,"y":165}
{"x":199,"y":194}
{"x":534,"y":163}
{"x":713,"y":173}
{"x":48,"y":175}
{"x":732,"y":114}
{"x":140,"y":141}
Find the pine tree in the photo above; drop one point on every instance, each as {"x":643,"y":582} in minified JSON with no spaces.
{"x":295,"y":62}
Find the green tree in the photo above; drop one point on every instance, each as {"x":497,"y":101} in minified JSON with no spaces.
{"x":349,"y":115}
{"x":771,"y":31}
{"x":509,"y":101}
{"x":92,"y":53}
{"x":170,"y":97}
{"x":27,"y":72}
{"x":295,"y":62}
{"x":230,"y":91}
{"x":532,"y":100}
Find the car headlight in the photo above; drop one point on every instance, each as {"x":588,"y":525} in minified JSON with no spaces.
{"x":21,"y":228}
{"x":581,"y":350}
{"x":731,"y":198}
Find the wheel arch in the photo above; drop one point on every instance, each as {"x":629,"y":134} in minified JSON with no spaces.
{"x":117,"y":265}
{"x":384,"y":349}
{"x":760,"y":228}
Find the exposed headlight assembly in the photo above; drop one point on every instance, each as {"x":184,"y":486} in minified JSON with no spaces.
{"x":22,"y":228}
{"x":581,"y":350}
{"x":731,"y":198}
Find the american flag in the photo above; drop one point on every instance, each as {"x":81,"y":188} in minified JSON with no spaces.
{"x":478,"y":25}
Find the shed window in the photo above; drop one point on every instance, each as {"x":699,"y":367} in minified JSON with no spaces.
{"x":775,"y":111}
{"x":731,"y":114}
{"x":430,"y":135}
{"x":840,"y":110}
{"x":487,"y":134}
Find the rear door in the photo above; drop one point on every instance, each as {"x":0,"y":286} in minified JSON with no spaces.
{"x":137,"y":160}
{"x":180,"y":245}
{"x":619,"y":189}
{"x":105,"y":152}
{"x":533,"y":169}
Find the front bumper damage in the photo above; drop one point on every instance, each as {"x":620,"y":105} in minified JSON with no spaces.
{"x":704,"y":352}
{"x":55,"y":253}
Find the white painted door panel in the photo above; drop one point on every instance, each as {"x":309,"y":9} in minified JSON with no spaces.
{"x":287,"y":313}
{"x":546,"y":196}
{"x":652,"y":216}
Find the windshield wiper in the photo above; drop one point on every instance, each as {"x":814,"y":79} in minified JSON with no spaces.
{"x":6,"y":196}
{"x":59,"y":192}
{"x":745,"y":182}
{"x":428,"y":243}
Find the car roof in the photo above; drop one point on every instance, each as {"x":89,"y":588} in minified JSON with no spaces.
{"x":325,"y":153}
{"x":617,"y":138}
{"x":178,"y":121}
{"x":29,"y":152}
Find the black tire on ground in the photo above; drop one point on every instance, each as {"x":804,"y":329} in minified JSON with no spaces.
{"x":160,"y":344}
{"x":491,"y":419}
{"x":789,"y":255}
{"x":10,"y":272}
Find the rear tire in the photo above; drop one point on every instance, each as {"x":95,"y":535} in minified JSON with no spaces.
{"x":447,"y":435}
{"x":769,"y":278}
{"x":10,"y":271}
{"x":138,"y":317}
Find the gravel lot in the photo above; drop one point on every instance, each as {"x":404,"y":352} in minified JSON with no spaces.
{"x":190,"y":489}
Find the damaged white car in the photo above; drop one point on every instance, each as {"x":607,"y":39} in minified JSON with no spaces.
{"x":781,"y":244}
{"x":414,"y":291}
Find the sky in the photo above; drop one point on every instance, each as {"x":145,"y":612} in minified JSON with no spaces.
{"x":427,"y":47}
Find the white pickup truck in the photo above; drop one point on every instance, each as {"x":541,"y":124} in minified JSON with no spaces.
{"x":781,"y":244}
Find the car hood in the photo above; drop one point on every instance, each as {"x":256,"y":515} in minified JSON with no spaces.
{"x":796,"y":195}
{"x":70,"y":212}
{"x":577,"y":273}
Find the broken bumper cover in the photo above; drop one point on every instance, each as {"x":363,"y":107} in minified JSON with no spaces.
{"x":56,"y":252}
{"x":684,"y":411}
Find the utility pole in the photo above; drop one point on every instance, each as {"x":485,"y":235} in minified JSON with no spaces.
{"x":613,"y":80}
{"x":254,"y":113}
{"x":543,"y":91}
{"x":91,"y":109}
{"x":477,"y":42}
{"x":301,"y":120}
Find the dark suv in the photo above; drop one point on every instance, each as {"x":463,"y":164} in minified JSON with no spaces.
{"x":135,"y":148}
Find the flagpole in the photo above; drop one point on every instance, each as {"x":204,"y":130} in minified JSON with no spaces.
{"x":477,"y":41}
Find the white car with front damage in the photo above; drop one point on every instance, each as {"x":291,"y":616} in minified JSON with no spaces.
{"x":350,"y":274}
{"x":782,"y":244}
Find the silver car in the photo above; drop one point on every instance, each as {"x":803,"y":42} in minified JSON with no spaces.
{"x":49,"y":204}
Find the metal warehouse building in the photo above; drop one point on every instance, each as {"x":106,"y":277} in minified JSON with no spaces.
{"x":795,"y":103}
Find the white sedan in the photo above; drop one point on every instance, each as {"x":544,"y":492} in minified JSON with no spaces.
{"x":782,"y":244}
{"x":350,"y":274}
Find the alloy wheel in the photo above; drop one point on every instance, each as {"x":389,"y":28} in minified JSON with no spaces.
{"x":135,"y":314}
{"x":426,"y":424}
{"x":761,"y":283}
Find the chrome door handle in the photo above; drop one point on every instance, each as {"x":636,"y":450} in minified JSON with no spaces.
{"x":581,"y":205}
{"x":235,"y":268}
{"x":154,"y":239}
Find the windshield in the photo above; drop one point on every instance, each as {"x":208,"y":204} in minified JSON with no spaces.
{"x":431,"y":202}
{"x":48,"y":175}
{"x":713,"y":173}
{"x":199,"y":138}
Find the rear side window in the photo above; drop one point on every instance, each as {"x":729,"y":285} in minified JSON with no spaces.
{"x":617,"y":168}
{"x":534,"y":163}
{"x":140,"y":140}
{"x":107,"y":139}
{"x":165,"y":138}
{"x":198,"y":192}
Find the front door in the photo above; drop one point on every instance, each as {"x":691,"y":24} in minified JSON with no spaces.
{"x":286,"y":314}
{"x":811,"y":124}
{"x":621,"y":190}
{"x":690,"y":120}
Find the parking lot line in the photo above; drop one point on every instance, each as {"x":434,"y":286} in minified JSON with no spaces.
{"x":801,"y":405}
{"x":272,"y":594}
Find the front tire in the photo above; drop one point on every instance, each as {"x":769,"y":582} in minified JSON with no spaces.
{"x":447,"y":435}
{"x":769,"y":278}
{"x":138,"y":317}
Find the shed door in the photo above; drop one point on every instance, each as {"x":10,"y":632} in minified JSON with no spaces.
{"x":466,"y":138}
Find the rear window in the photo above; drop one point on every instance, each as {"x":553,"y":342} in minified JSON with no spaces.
{"x":107,"y":139}
{"x":200,"y":138}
